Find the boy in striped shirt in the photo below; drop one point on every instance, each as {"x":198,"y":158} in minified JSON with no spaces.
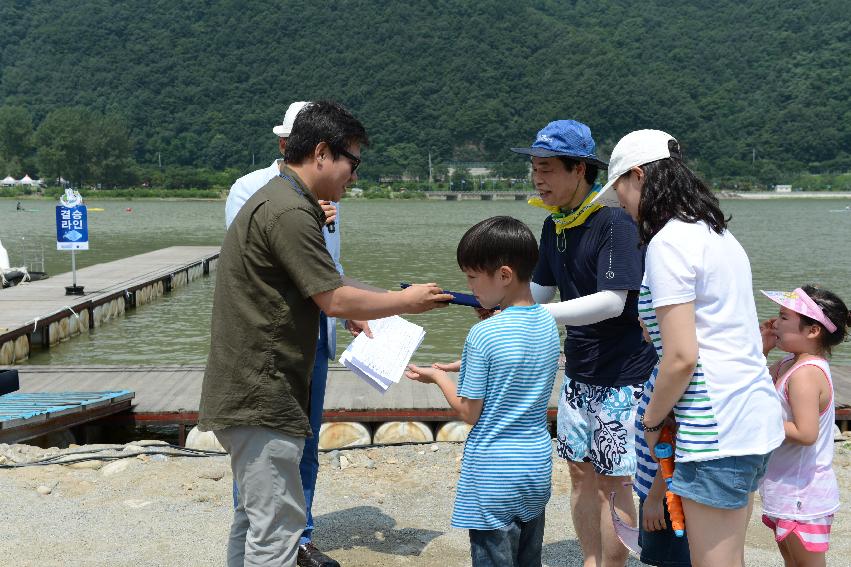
{"x":505,"y":380}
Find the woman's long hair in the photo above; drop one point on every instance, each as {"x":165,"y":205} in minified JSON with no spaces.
{"x":672,"y":191}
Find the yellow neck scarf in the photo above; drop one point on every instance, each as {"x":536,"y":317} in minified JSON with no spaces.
{"x":564,"y":221}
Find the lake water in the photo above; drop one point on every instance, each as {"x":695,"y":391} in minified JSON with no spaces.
{"x":789,"y":242}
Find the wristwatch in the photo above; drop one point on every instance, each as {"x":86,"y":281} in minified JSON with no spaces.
{"x":646,"y":427}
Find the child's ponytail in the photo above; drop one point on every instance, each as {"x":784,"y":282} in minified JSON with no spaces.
{"x":835,"y":310}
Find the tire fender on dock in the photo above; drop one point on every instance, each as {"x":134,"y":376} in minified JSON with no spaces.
{"x":453,"y":431}
{"x":343,"y":434}
{"x":7,"y":353}
{"x":53,"y":333}
{"x":22,"y":348}
{"x":403,"y":432}
{"x":203,"y":440}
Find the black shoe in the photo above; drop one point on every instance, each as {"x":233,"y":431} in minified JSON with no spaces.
{"x":309,"y":556}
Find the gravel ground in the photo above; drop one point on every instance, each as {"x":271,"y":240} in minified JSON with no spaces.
{"x":386,"y":506}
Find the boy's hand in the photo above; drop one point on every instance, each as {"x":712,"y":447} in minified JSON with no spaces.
{"x":766,"y":329}
{"x":424,"y":374}
{"x":424,"y":297}
{"x":448,"y":367}
{"x":330,"y":211}
{"x":653,"y":512}
{"x":644,"y":332}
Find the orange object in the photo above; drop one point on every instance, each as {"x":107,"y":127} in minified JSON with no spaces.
{"x":665,"y":453}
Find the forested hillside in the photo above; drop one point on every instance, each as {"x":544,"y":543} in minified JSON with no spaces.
{"x":755,"y":88}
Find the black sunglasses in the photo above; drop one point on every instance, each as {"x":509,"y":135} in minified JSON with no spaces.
{"x":355,"y":160}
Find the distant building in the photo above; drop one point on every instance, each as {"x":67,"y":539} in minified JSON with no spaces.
{"x":475,"y":168}
{"x":783,"y":188}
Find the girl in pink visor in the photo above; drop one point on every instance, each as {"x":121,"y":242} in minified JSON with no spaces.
{"x":799,"y":491}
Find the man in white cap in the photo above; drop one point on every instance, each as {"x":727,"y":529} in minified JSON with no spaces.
{"x":247,"y":185}
{"x":241,"y":191}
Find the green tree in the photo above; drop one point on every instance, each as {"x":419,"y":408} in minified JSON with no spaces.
{"x":514,"y":167}
{"x":461,"y":180}
{"x":110,"y":150}
{"x":219,"y":152}
{"x":408,"y":160}
{"x":466,"y":79}
{"x":439,"y":170}
{"x":64,"y":142}
{"x":16,"y":139}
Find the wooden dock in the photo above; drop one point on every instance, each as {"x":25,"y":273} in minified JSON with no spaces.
{"x":170,"y":394}
{"x":24,"y":416}
{"x":40,"y":312}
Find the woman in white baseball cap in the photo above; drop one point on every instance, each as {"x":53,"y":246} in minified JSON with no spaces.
{"x":697,"y":303}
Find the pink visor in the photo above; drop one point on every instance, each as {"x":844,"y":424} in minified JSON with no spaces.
{"x":801,"y":303}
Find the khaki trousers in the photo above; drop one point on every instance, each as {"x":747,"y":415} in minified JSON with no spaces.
{"x":270,"y":513}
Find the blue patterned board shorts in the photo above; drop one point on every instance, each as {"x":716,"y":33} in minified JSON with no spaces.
{"x":596,"y":424}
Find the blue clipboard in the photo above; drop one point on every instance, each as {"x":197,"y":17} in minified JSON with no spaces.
{"x":465,"y":299}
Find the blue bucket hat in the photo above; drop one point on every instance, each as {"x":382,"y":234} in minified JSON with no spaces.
{"x":567,"y":138}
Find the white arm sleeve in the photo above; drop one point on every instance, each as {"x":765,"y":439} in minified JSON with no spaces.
{"x":543,"y":294}
{"x":588,"y":309}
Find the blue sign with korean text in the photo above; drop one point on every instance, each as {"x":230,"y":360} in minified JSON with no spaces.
{"x":72,"y":228}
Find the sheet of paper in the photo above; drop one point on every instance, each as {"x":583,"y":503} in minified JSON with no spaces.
{"x":381,"y":360}
{"x":379,"y":385}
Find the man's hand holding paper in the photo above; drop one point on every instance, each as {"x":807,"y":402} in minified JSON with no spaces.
{"x":358,"y":327}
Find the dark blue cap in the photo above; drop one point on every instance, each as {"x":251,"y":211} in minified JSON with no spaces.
{"x":567,"y":138}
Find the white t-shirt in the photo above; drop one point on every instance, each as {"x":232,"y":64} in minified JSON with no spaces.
{"x":730,"y":407}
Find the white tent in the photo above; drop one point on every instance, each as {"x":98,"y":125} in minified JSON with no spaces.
{"x":27,"y":180}
{"x":9,"y":181}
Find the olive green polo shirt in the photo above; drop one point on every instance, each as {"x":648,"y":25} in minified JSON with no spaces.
{"x":265,"y":324}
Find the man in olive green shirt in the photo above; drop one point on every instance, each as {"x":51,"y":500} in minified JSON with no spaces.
{"x":273,"y":277}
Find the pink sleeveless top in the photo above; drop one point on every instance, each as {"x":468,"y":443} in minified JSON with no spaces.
{"x":799,"y":483}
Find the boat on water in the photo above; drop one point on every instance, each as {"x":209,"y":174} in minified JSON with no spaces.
{"x":21,"y":209}
{"x":12,"y":276}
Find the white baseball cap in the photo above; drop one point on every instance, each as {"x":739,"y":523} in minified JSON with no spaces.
{"x":283,"y":130}
{"x":635,"y":149}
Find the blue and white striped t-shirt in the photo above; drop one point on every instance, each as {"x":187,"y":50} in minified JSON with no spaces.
{"x":509,"y":361}
{"x":645,"y":466}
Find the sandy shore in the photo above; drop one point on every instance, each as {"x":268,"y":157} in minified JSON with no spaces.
{"x":385,"y":507}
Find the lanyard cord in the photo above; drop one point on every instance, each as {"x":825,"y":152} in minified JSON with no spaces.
{"x":292,"y":183}
{"x":331,"y":228}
